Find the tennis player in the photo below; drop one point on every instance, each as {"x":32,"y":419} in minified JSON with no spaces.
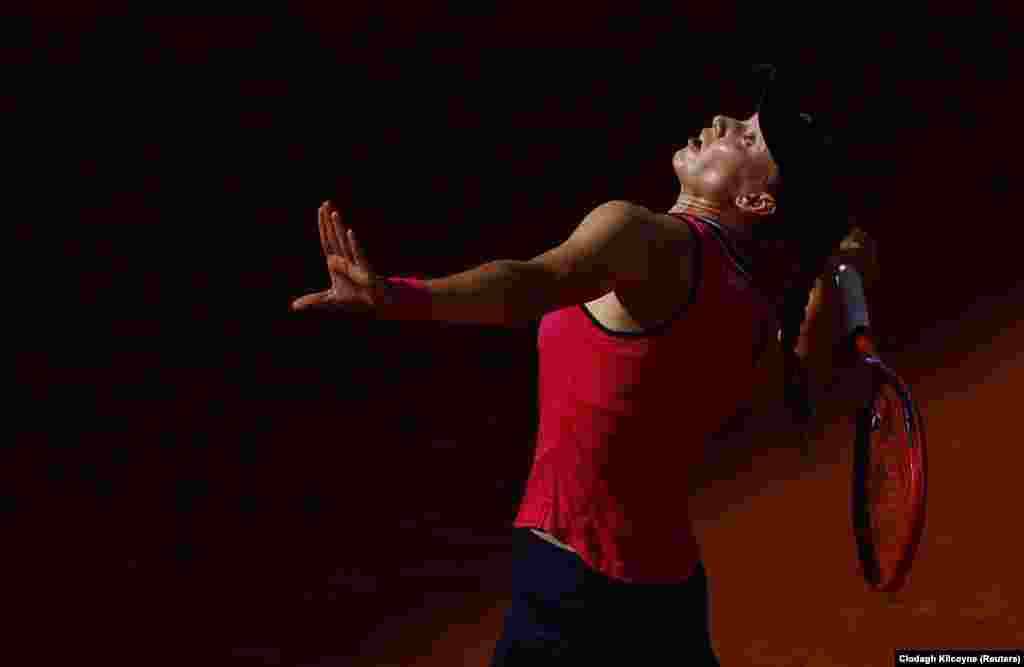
{"x":651,"y":327}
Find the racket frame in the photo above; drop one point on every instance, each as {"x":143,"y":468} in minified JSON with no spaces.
{"x":857,"y":330}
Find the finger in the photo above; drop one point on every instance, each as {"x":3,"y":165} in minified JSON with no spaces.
{"x":331,"y":229}
{"x":311,"y":301}
{"x":331,"y":223}
{"x":328,"y":229}
{"x":342,"y":235}
{"x":325,"y":241}
{"x":357,"y":252}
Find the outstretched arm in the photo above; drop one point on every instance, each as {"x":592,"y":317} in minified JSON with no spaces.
{"x":614,"y":244}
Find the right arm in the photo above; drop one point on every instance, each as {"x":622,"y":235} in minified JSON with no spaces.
{"x":615,"y":244}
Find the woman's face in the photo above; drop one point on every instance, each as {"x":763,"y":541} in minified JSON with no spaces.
{"x":727,"y":159}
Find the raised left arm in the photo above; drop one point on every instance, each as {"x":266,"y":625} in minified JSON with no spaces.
{"x":821,"y":326}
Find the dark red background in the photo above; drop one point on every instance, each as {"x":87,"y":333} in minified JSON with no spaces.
{"x":208,"y":472}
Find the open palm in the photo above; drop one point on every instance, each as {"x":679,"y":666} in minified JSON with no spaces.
{"x":354,"y":285}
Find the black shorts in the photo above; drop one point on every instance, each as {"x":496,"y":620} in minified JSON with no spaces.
{"x":564,"y":612}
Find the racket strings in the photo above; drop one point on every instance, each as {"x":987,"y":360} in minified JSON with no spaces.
{"x":889,"y":480}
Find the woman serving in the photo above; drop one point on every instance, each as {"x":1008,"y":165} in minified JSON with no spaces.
{"x":651,"y":326}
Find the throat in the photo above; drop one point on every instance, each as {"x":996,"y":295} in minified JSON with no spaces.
{"x":691,"y":205}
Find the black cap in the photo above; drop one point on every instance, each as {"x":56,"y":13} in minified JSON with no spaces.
{"x":801,"y":147}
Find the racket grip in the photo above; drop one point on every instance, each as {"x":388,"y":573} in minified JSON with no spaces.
{"x":854,"y":304}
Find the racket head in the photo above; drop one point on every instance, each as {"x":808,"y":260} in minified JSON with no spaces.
{"x":890,"y":480}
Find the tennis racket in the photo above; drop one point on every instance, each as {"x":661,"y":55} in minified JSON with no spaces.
{"x":889,"y":470}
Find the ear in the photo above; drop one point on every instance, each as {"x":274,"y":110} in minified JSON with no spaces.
{"x":757,"y":203}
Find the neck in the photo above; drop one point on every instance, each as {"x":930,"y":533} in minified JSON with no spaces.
{"x":738,"y":230}
{"x":692,"y":205}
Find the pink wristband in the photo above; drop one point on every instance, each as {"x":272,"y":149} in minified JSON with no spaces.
{"x":409,"y":297}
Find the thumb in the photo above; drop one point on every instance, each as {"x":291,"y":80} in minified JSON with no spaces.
{"x":309,"y":301}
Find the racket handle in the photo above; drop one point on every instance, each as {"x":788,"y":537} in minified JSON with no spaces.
{"x":855,"y":306}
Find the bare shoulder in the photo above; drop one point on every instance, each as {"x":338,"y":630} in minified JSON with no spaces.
{"x":674,"y":246}
{"x":668,"y":263}
{"x":625,"y":242}
{"x":660,"y":227}
{"x":669,"y":242}
{"x":668,"y":233}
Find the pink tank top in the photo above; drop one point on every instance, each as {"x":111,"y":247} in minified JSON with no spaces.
{"x":623,"y":416}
